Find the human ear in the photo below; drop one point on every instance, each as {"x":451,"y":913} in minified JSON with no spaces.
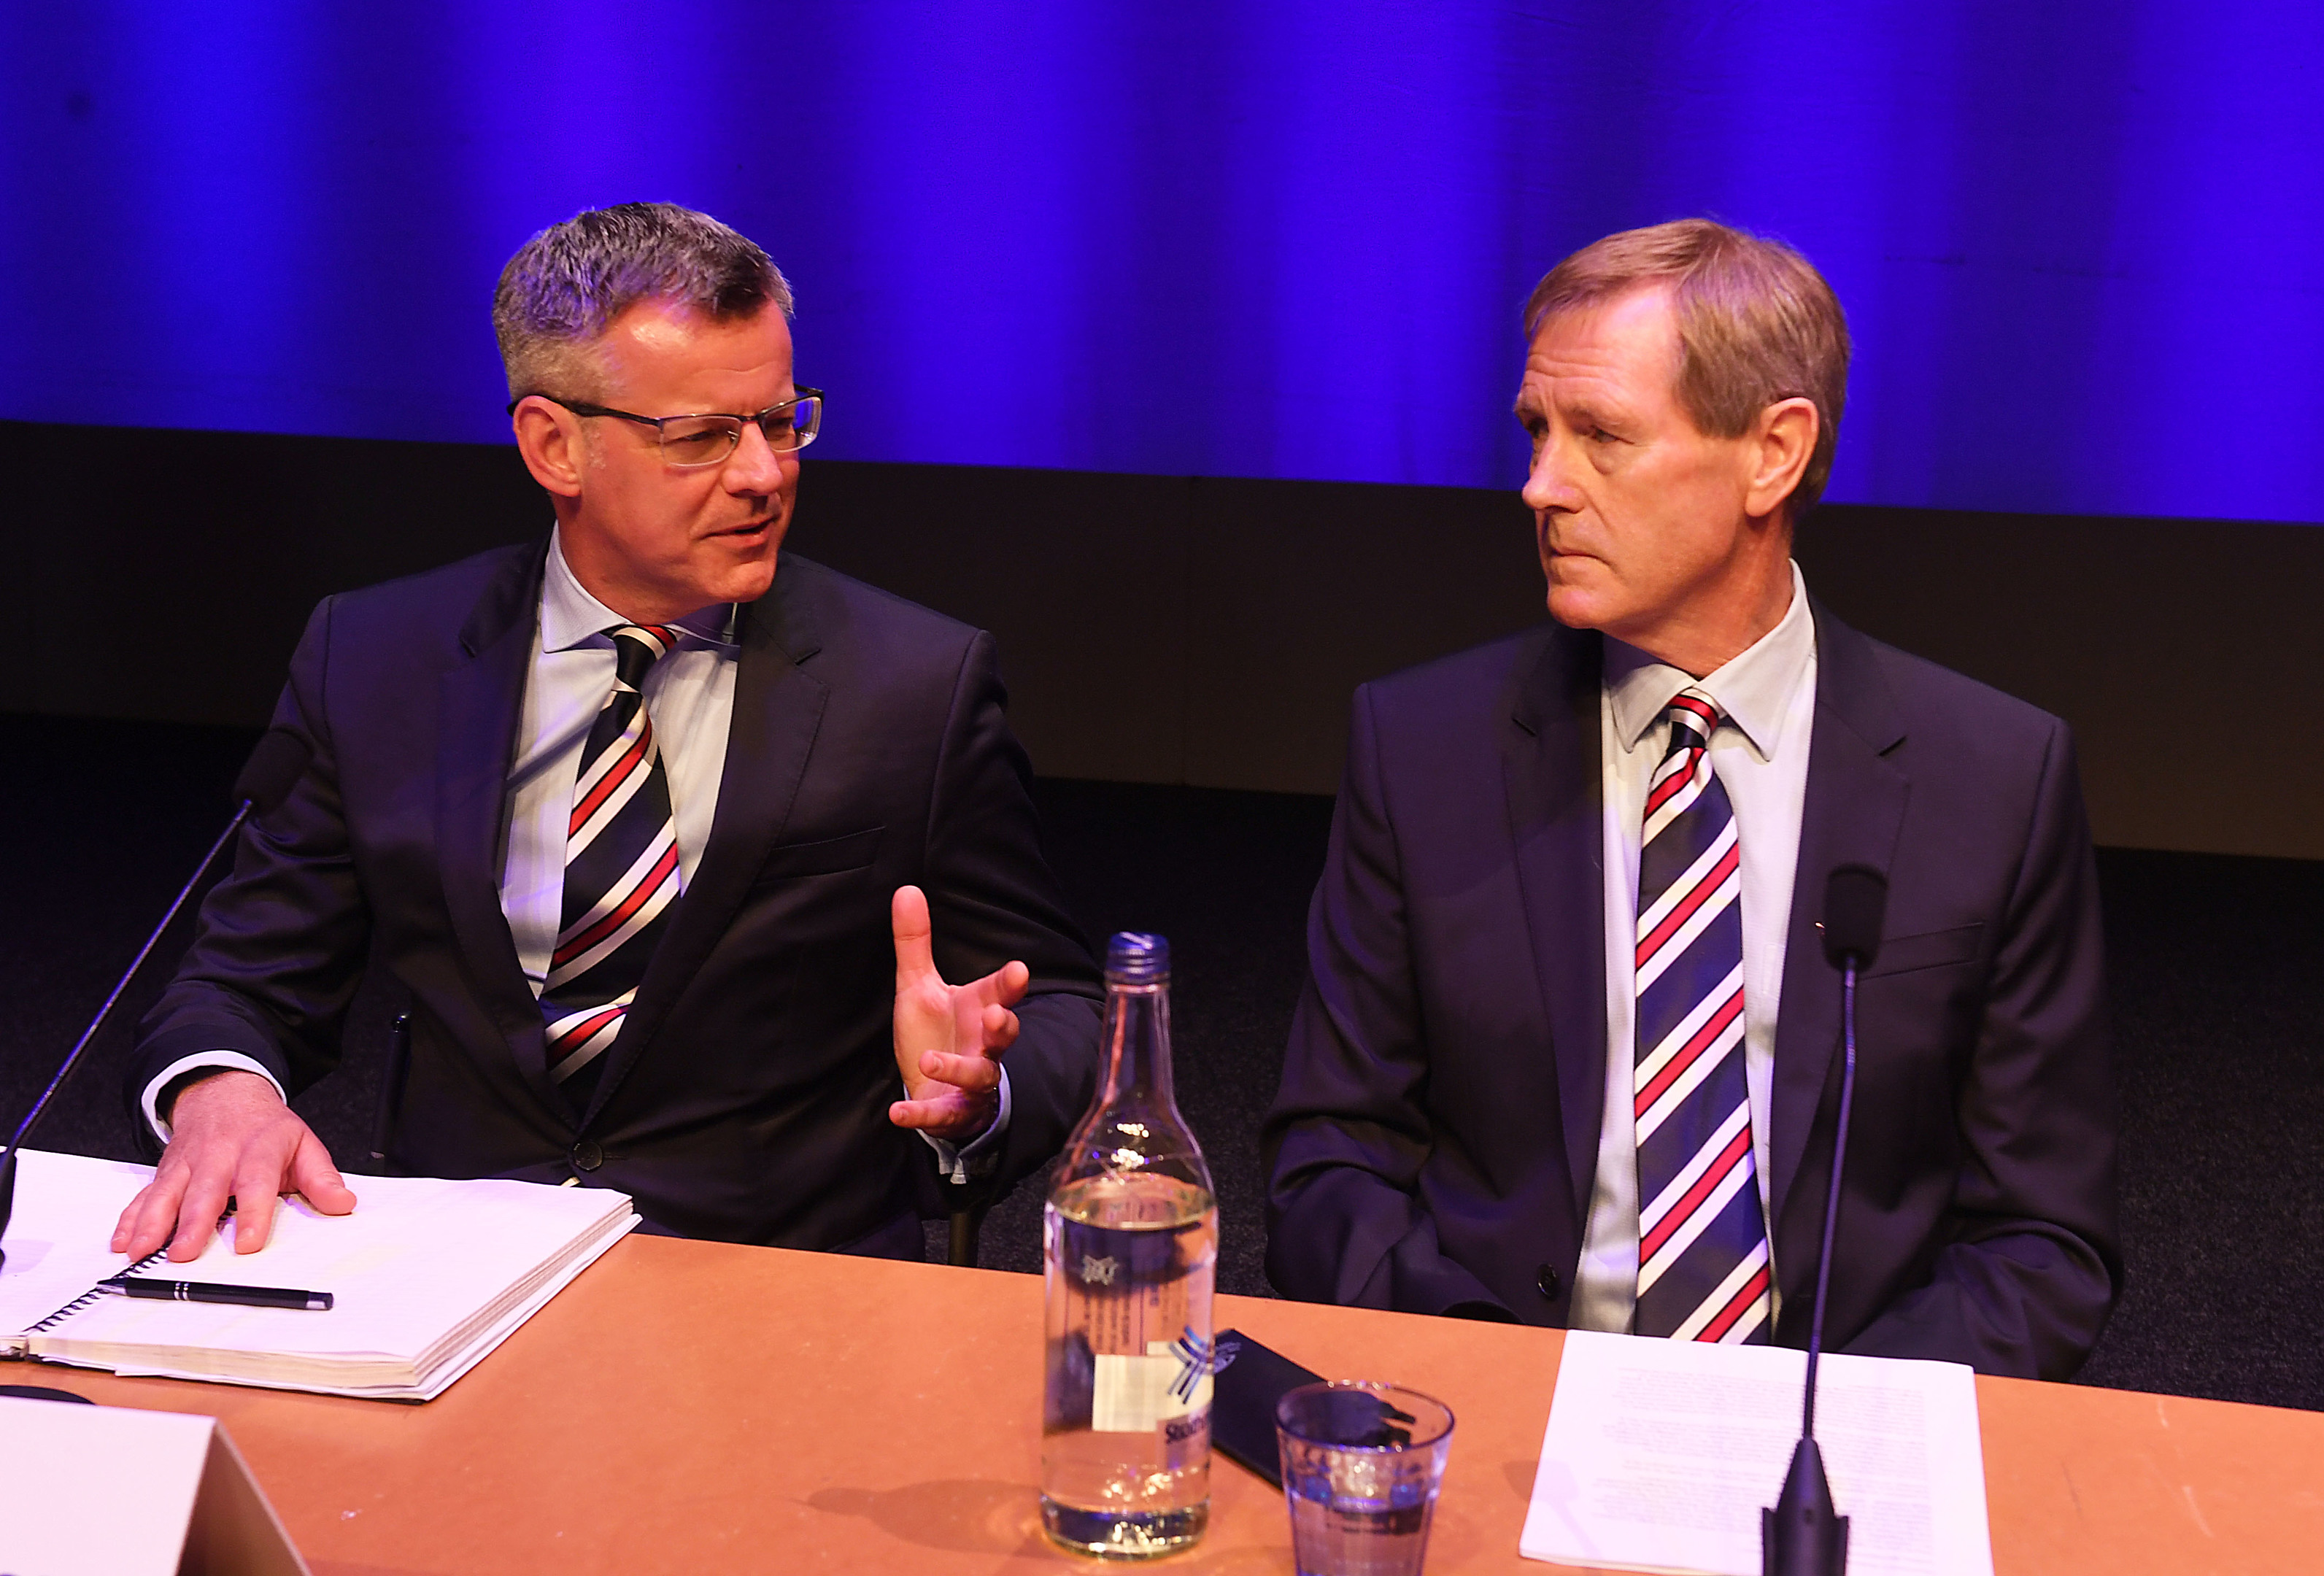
{"x":549,"y":439}
{"x":1781,"y":444}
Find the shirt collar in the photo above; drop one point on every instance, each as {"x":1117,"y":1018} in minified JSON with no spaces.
{"x":570,"y":616}
{"x":1753,"y":689}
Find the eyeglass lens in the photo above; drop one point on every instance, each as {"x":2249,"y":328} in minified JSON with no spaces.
{"x":704,"y":440}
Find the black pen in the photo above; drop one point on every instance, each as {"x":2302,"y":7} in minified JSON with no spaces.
{"x":199,"y":1291}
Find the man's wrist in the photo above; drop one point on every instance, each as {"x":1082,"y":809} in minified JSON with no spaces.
{"x":974,"y":1156}
{"x":172,"y":1081}
{"x":165,"y":1102}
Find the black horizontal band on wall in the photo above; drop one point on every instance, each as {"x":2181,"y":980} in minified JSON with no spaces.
{"x":1181,"y":630}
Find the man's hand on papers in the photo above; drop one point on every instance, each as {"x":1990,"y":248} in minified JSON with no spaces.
{"x":230,"y":1136}
{"x":948,"y":1037}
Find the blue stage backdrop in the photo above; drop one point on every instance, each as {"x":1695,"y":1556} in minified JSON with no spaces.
{"x":2081,"y":242}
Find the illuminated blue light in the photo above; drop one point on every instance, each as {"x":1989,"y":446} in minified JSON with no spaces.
{"x":2080,"y":241}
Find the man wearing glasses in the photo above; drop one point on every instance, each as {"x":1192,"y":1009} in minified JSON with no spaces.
{"x":674,"y":855}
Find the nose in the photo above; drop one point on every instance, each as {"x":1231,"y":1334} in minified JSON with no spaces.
{"x":754,"y":467}
{"x":1549,"y":488}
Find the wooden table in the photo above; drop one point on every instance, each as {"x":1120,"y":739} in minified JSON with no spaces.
{"x":696,"y":1407}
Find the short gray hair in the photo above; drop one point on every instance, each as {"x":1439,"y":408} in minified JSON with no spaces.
{"x":567,"y":284}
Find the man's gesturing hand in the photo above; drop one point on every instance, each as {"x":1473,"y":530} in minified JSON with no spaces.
{"x":948,"y":1037}
{"x":230,"y":1136}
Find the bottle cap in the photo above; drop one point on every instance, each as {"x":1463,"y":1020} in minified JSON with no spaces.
{"x":1136,"y":958}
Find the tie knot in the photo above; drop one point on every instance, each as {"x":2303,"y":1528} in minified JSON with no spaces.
{"x":1693,"y":718}
{"x":636,"y":649}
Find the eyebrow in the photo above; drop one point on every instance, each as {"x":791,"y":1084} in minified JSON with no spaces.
{"x":1579,"y":413}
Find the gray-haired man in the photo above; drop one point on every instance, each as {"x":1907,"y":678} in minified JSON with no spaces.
{"x":674,"y":853}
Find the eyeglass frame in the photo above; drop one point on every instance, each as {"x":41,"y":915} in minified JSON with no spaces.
{"x":584,"y":408}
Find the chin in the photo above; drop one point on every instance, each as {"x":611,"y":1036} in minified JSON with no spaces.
{"x":1577,"y":607}
{"x":747,"y":579}
{"x":751,"y":584}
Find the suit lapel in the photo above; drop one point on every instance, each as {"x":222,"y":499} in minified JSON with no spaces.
{"x":778,"y":709}
{"x":1552,"y":772}
{"x":479,"y":702}
{"x":1854,"y":810}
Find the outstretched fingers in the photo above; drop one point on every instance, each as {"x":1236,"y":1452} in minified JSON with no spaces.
{"x":233,"y":1139}
{"x":254,"y":1197}
{"x":1006,"y":984}
{"x":316,"y":1179}
{"x":948,"y":1037}
{"x":207,"y":1191}
{"x":907,"y":916}
{"x":937,"y":1116}
{"x":976,"y":1075}
{"x":153,"y":1214}
{"x":1001,"y":1027}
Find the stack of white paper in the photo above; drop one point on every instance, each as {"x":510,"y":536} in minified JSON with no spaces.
{"x":428,"y":1276}
{"x":1660,"y":1454}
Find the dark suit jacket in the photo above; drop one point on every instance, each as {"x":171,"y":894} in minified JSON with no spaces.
{"x":747,"y":1097}
{"x":1435,"y":1140}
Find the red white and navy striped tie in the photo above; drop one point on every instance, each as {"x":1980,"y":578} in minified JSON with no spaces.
{"x":1702,"y":1239}
{"x":621,"y":871}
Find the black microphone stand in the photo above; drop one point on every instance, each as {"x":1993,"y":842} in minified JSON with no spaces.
{"x":274,"y":766}
{"x":8,"y":1161}
{"x":1802,"y":1534}
{"x":8,"y":1164}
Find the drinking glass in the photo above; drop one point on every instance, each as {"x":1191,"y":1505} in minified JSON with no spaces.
{"x":1362,"y":1462}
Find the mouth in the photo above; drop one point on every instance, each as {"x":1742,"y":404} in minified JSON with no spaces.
{"x":1562,"y":561}
{"x":749,"y":533}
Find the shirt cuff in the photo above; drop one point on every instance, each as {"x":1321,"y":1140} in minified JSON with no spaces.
{"x":216,"y":1062}
{"x":961,"y":1163}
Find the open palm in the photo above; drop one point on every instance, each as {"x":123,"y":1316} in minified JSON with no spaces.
{"x":948,"y":1037}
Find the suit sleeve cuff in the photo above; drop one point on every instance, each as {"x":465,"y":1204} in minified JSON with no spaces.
{"x":963,"y":1163}
{"x":221,"y":1061}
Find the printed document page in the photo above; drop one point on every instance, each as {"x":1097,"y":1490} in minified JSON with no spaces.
{"x":1660,"y":1455}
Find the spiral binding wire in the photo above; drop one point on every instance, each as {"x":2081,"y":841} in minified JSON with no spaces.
{"x":92,"y":1294}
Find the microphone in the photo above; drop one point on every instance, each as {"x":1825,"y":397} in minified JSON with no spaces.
{"x":390,"y":1090}
{"x":1802,"y":1535}
{"x":273,"y":770}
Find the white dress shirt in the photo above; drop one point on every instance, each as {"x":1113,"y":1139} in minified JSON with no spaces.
{"x":689,"y":695}
{"x":1760,"y":753}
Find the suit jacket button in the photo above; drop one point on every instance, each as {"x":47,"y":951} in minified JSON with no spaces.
{"x":586,"y":1155}
{"x":1545,"y":1281}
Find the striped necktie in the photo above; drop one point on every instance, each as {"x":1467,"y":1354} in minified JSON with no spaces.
{"x":621,"y":872}
{"x":1702,"y":1240}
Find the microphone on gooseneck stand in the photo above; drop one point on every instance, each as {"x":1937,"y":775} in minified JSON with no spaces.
{"x":267,"y":778}
{"x":1802,"y":1534}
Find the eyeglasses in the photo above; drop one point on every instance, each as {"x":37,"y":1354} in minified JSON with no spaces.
{"x":689,"y":442}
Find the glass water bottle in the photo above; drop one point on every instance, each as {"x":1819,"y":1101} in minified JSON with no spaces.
{"x":1130,"y":1240}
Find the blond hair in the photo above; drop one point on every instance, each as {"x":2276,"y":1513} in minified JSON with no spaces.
{"x":1756,"y":324}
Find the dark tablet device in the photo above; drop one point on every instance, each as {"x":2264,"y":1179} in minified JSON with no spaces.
{"x":1250,"y":1380}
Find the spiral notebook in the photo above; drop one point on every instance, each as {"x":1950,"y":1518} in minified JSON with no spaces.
{"x":428,"y":1276}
